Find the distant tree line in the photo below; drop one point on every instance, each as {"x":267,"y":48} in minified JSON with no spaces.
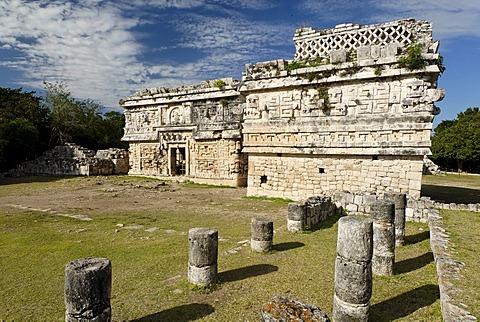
{"x":30,"y":125}
{"x":456,"y":143}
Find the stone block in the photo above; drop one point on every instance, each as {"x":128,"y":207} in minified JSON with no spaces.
{"x":338,"y":56}
{"x":363,"y":53}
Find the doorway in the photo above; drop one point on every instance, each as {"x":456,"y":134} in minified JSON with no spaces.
{"x":178,"y":161}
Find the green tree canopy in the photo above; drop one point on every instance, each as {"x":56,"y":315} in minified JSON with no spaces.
{"x":24,"y":129}
{"x":457,"y":142}
{"x":81,"y":121}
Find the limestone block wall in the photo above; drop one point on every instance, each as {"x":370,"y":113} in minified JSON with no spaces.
{"x":344,"y":114}
{"x":295,"y":176}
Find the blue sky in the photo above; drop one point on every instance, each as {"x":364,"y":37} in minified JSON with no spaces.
{"x":108,"y":49}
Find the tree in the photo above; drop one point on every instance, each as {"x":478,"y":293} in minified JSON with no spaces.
{"x":24,"y":129}
{"x":81,"y":121}
{"x":112,"y":130}
{"x":457,"y":142}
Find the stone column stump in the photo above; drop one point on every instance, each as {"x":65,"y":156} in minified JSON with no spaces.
{"x":353,"y":269}
{"x":88,"y":285}
{"x":400,"y":201}
{"x":262,"y":235}
{"x":383,"y":215}
{"x":202,"y":256}
{"x":296,"y":216}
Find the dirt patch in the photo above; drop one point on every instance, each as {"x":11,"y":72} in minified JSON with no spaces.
{"x":83,"y":197}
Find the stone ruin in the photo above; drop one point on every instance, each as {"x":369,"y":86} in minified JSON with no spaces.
{"x":343,"y":115}
{"x":73,"y":160}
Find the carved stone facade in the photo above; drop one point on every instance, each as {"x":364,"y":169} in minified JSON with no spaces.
{"x":191,"y":132}
{"x":343,"y":115}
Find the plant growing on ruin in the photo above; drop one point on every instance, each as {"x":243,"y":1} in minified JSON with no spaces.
{"x":378,"y":71}
{"x":440,"y":65}
{"x":314,"y":62}
{"x":352,"y":70}
{"x":351,"y":55}
{"x":413,"y":58}
{"x":219,"y":83}
{"x":323,"y":95}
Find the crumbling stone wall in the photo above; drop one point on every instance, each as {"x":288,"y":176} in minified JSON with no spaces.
{"x":344,"y":114}
{"x":73,"y":160}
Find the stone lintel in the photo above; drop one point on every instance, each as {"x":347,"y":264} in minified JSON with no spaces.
{"x":316,"y":151}
{"x":171,"y":98}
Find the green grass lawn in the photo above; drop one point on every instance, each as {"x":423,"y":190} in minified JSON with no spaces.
{"x":464,"y":228}
{"x":452,"y":188}
{"x":149,"y":268}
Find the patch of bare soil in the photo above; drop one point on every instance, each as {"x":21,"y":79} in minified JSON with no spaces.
{"x":82,"y":197}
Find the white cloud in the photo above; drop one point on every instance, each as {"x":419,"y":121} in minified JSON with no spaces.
{"x":89,"y":47}
{"x":450,"y":18}
{"x":95,"y":45}
{"x":92,"y":45}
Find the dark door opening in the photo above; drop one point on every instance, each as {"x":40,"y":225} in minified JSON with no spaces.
{"x":178,"y":161}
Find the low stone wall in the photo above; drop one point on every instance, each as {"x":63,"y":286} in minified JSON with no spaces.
{"x":306,"y":214}
{"x":73,"y":160}
{"x":416,"y":210}
{"x":448,"y":269}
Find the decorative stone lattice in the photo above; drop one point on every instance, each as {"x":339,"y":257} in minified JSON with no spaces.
{"x":310,"y":43}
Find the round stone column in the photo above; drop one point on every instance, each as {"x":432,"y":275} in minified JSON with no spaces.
{"x":383,"y":215}
{"x":400,"y":201}
{"x":262,"y":235}
{"x":88,"y":285}
{"x":353,"y":269}
{"x":202,"y":256}
{"x":296,"y":216}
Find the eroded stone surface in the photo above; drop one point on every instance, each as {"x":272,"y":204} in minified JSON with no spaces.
{"x":88,"y":283}
{"x":342,"y":115}
{"x":281,"y":308}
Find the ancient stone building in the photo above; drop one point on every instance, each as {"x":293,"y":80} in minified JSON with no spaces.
{"x":191,"y":132}
{"x":352,"y":111}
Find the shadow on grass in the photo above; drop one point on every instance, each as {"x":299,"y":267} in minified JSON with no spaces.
{"x":451,"y":194}
{"x":29,"y":179}
{"x":188,"y":312}
{"x":404,"y":304}
{"x":246,"y":272}
{"x":411,"y":264}
{"x":327,"y":223}
{"x":287,"y":246}
{"x":417,"y":238}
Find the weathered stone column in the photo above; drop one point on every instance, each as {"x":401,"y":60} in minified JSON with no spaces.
{"x":88,"y":285}
{"x":262,"y":235}
{"x":296,"y":216}
{"x":400,"y":201}
{"x":353,"y":269}
{"x":202,"y":256}
{"x":383,"y":215}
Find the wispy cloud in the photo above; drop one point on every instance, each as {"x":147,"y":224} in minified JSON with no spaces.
{"x":86,"y":46}
{"x":450,"y":18}
{"x":98,"y":46}
{"x":94,"y":46}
